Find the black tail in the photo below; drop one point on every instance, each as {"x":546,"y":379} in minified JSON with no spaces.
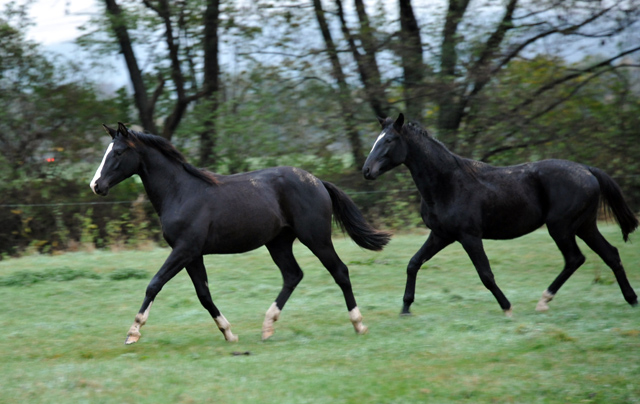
{"x":612,"y":197}
{"x":350,"y":219}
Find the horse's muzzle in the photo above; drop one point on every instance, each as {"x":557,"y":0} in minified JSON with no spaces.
{"x":100,"y":190}
{"x":366,"y":172}
{"x":369,"y":173}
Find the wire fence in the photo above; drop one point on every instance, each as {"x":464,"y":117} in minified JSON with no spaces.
{"x":60,"y":204}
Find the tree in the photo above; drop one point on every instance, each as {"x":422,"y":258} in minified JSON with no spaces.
{"x":184,"y":61}
{"x":411,"y":55}
{"x":44,"y":108}
{"x":344,"y":95}
{"x":466,"y":68}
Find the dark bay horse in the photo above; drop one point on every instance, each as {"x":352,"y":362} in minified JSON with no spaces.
{"x":205,"y":213}
{"x":466,"y":201}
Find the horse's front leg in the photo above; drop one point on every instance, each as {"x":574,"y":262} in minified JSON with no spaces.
{"x":473,"y":246}
{"x":431,"y":247}
{"x":174,"y":264}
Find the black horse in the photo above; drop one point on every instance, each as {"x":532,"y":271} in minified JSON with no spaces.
{"x":466,"y":201}
{"x":204,"y":213}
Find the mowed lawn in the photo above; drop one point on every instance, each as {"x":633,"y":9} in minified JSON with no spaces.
{"x":63,"y":321}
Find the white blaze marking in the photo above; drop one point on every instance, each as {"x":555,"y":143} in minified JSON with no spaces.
{"x":99,"y":171}
{"x":384,"y":132}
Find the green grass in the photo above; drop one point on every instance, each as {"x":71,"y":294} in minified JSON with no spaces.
{"x":63,"y":321}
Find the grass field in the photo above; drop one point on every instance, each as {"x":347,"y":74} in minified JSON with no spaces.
{"x":64,"y":318}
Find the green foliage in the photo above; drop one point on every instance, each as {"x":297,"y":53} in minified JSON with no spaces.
{"x":28,"y":278}
{"x":591,"y":120}
{"x":122,"y":274}
{"x":278,"y":105}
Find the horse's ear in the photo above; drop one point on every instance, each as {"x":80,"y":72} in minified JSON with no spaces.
{"x":381,"y":120}
{"x":397,"y":125}
{"x":111,"y":132}
{"x":123,"y":129}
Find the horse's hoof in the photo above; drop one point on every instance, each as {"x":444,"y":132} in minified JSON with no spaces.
{"x":131,"y":339}
{"x":266,"y":335}
{"x":231,"y":337}
{"x":509,"y":312}
{"x":546,"y":298}
{"x":363,"y":329}
{"x":406,"y":314}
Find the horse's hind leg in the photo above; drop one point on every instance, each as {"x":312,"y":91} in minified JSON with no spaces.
{"x":573,"y":259}
{"x":281,"y":250}
{"x":198,"y":274}
{"x":329,"y":258}
{"x":610,"y":256}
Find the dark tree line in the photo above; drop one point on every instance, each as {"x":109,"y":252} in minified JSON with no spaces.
{"x":242,"y":85}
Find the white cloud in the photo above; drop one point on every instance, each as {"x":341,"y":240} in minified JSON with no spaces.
{"x":57,"y":21}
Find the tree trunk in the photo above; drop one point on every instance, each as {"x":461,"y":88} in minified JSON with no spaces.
{"x":211,"y":84}
{"x":366,"y":62}
{"x":449,"y":117}
{"x":346,"y":103}
{"x":145,"y":108}
{"x":414,"y":69}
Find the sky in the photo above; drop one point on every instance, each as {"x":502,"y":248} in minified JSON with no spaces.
{"x":55,"y":27}
{"x":57,"y":20}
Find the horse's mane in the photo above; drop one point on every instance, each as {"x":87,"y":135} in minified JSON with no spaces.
{"x":415,"y":130}
{"x":168,"y":150}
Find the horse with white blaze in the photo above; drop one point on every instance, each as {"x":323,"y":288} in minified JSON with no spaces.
{"x":467,"y":201}
{"x":206,"y":213}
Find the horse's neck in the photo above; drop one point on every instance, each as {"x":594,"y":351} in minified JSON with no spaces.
{"x":164,"y":180}
{"x":431,"y":166}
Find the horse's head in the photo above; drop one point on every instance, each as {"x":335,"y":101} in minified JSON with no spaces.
{"x":389,"y":150}
{"x":120,"y":161}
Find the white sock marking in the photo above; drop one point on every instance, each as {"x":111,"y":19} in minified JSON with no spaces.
{"x":356,"y":320}
{"x":99,"y":170}
{"x":270,"y":317}
{"x":225,"y":327}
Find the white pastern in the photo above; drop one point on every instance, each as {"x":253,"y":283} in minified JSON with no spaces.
{"x":134,"y":332}
{"x":273,"y":314}
{"x":99,"y":170}
{"x":384,"y":132}
{"x":225,"y":327}
{"x":356,"y":320}
{"x":546,"y":298}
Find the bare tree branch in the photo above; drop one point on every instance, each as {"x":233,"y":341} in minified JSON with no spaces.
{"x":139,"y":89}
{"x":571,"y":76}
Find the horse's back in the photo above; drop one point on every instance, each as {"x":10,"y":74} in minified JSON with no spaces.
{"x":515,"y":200}
{"x":245,"y":211}
{"x":291,"y":191}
